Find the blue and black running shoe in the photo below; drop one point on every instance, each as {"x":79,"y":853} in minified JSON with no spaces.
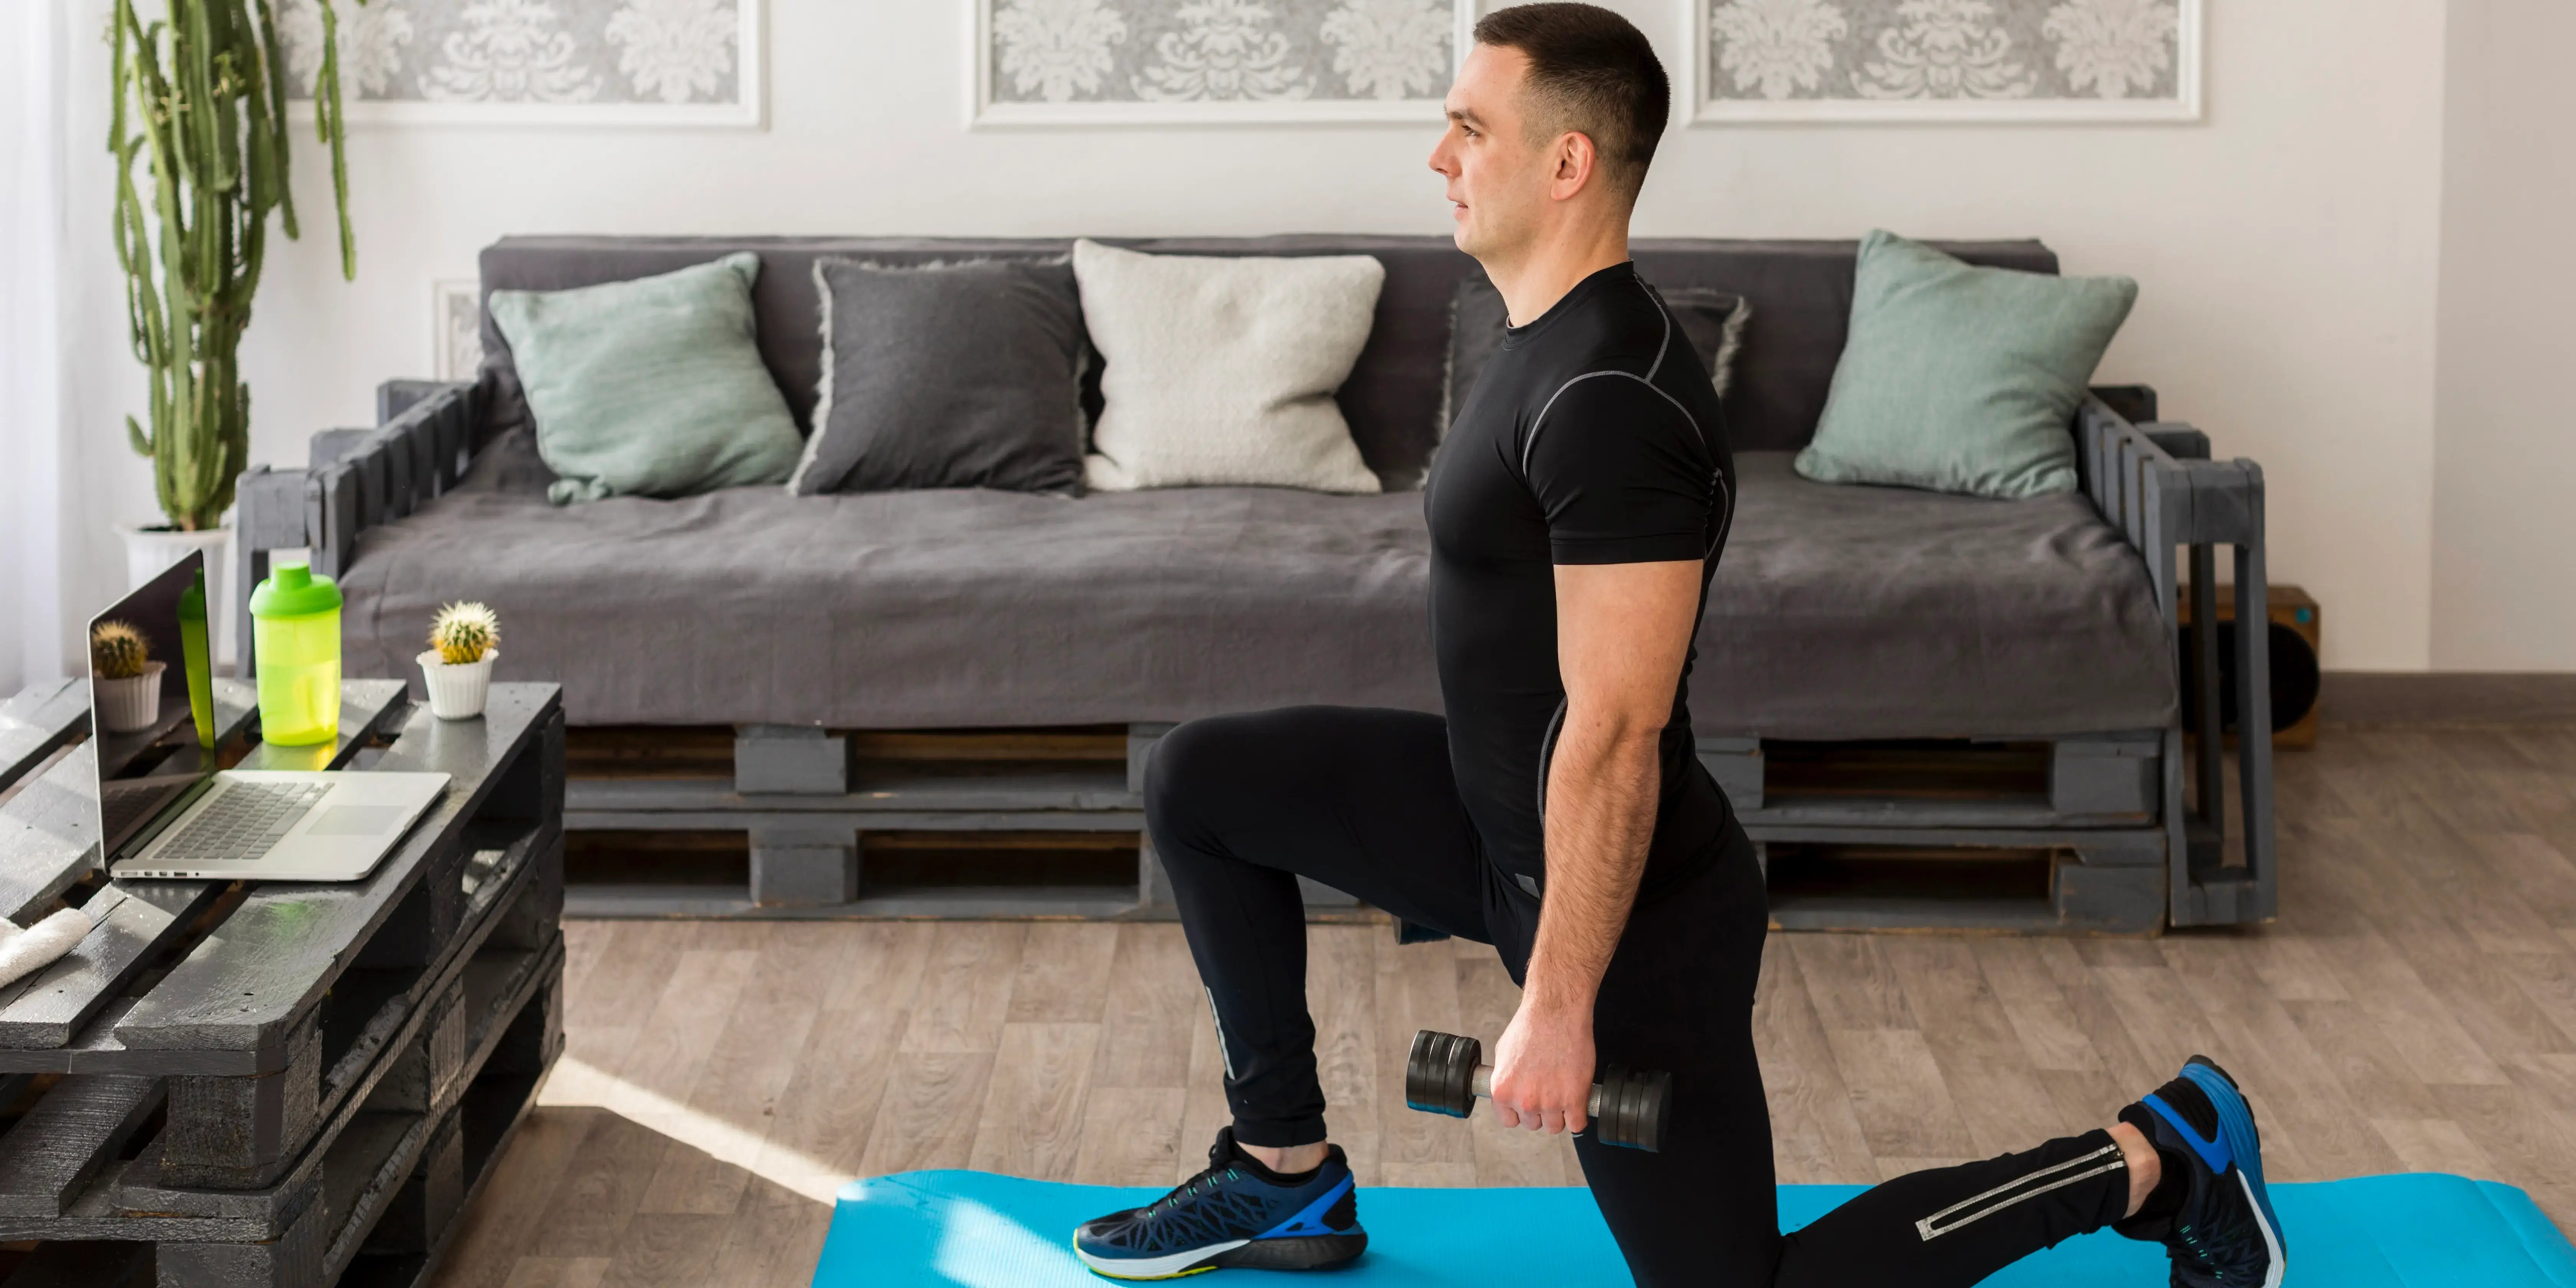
{"x":2214,"y":1218}
{"x":1230,"y":1216}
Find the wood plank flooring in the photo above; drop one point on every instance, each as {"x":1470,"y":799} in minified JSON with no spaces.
{"x":2414,"y":1008}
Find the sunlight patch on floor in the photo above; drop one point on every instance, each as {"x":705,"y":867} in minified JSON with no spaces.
{"x":576,"y":1084}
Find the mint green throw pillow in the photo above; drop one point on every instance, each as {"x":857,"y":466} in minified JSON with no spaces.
{"x":652,"y":387}
{"x":1962,"y":379}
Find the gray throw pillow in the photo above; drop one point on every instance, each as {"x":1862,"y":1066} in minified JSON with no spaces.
{"x":1962,"y":379}
{"x":959,"y":374}
{"x":651,"y":387}
{"x":1712,"y":320}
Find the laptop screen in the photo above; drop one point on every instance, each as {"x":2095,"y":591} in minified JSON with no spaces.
{"x":152,"y":703}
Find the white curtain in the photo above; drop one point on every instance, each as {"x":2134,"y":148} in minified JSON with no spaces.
{"x":32,"y":467}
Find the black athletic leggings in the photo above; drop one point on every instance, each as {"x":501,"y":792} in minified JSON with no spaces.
{"x":1362,"y":799}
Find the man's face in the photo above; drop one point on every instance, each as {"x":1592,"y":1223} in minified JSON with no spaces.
{"x":1498,"y":177}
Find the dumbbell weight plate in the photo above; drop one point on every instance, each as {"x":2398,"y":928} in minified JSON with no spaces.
{"x":1439,"y":1073}
{"x":1629,"y":1108}
{"x":1609,"y":1108}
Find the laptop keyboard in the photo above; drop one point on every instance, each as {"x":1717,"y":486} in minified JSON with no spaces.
{"x":242,"y":823}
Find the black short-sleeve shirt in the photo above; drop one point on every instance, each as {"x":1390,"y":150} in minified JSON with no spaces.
{"x":1592,"y":437}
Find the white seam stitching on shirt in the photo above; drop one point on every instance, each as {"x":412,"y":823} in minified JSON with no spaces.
{"x":1540,"y":421}
{"x":1666,"y":346}
{"x":1676,"y":402}
{"x":1728,"y":517}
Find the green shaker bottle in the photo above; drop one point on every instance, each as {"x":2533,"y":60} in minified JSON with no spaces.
{"x":295,"y":635}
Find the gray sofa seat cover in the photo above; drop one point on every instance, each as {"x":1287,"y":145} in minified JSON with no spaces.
{"x":1848,"y":611}
{"x":1839,"y":612}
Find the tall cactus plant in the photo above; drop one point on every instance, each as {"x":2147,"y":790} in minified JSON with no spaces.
{"x":201,"y":98}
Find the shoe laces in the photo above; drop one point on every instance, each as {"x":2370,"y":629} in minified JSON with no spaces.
{"x":1209,"y":1177}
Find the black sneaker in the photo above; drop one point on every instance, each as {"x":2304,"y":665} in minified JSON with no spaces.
{"x":1229,"y":1216}
{"x":2220,"y":1232}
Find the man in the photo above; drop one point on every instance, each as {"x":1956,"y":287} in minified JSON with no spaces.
{"x":1577,"y":509}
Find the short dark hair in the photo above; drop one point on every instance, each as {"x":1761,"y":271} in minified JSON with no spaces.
{"x":1593,"y":72}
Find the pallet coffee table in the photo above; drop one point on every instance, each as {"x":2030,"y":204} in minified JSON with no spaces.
{"x":232,"y":1084}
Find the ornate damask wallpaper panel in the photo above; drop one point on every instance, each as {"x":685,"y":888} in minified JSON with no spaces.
{"x":1944,"y":60}
{"x":666,"y":62}
{"x":1041,"y":62}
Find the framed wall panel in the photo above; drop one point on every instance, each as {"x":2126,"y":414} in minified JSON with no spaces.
{"x":534,"y":62}
{"x":1942,"y":60}
{"x":1200,"y":62}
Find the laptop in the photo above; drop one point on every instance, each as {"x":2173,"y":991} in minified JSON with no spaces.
{"x":167,"y":810}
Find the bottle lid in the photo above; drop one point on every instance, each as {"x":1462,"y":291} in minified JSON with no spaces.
{"x":294,"y":590}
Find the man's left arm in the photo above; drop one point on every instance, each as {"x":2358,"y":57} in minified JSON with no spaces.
{"x":1623,"y":630}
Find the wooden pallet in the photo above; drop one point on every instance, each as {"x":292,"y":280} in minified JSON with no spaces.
{"x":2058,"y":835}
{"x":236,"y":1083}
{"x":807,"y":807}
{"x":813,"y":803}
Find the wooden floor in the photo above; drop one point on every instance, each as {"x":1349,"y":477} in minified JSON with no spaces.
{"x":2414,"y":1008}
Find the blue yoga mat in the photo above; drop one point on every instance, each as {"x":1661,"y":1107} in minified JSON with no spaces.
{"x":978,"y":1230}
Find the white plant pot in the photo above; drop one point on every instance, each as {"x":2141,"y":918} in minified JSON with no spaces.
{"x":457,"y":692}
{"x":148,"y":554}
{"x":132,"y":704}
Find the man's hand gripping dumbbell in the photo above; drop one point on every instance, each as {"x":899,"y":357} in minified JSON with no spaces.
{"x":1446,"y":1074}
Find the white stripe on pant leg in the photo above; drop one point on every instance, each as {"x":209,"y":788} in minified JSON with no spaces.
{"x":2018,"y":1182}
{"x":1223,"y":1051}
{"x":1924,"y":1226}
{"x":1932,"y":1227}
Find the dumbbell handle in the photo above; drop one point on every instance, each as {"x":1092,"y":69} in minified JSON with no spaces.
{"x":1483,"y":1085}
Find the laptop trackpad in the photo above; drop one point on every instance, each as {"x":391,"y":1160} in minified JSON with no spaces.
{"x":356,"y":820}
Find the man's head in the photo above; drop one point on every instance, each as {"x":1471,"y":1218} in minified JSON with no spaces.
{"x":1552,"y":121}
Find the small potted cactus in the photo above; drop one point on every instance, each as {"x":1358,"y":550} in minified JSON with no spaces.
{"x":123,"y":677}
{"x":463,"y":640}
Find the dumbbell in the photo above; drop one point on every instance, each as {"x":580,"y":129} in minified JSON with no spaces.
{"x":1446,"y":1074}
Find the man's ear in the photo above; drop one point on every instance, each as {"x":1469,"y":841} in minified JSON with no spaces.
{"x":1575,"y":163}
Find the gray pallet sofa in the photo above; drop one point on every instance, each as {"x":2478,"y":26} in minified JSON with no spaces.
{"x":1841,"y":615}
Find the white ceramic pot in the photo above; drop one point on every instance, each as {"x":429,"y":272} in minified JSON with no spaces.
{"x":133,"y":703}
{"x":149,"y":553}
{"x":457,"y":692}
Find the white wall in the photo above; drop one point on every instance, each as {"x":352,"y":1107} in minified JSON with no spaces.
{"x":31,"y":607}
{"x":103,"y":481}
{"x":2504,"y":516}
{"x":2286,"y":245}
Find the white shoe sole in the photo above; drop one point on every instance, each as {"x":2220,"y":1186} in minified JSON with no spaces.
{"x":1164,"y":1267}
{"x":2275,"y":1262}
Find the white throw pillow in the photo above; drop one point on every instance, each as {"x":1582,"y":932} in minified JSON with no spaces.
{"x":1223,"y":370}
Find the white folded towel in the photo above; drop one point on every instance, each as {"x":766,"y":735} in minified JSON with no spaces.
{"x":24,"y":952}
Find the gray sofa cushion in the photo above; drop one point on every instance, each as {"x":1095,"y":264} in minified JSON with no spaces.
{"x":1839,"y":612}
{"x":964,"y":374}
{"x":917,"y":609}
{"x":1851,"y":611}
{"x":1801,"y":292}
